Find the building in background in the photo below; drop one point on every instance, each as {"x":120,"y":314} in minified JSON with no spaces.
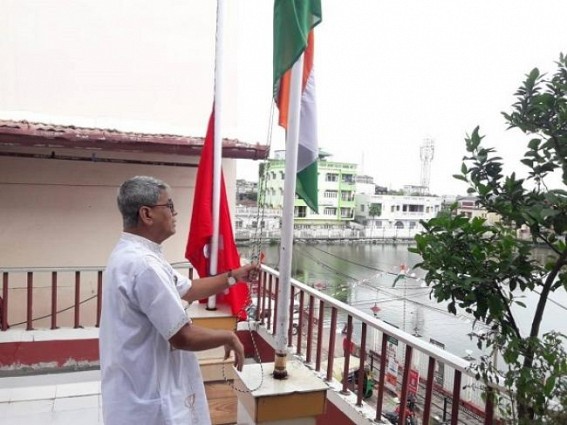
{"x":336,"y":186}
{"x":389,"y":215}
{"x":246,"y":193}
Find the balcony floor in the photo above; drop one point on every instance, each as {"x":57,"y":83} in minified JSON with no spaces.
{"x":59,"y":398}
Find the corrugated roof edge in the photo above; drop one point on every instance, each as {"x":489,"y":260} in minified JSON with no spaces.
{"x":35,"y":134}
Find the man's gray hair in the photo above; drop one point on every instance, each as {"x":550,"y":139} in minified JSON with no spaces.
{"x":135,"y":193}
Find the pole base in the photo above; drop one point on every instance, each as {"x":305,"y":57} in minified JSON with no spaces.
{"x":280,"y":374}
{"x":280,"y":362}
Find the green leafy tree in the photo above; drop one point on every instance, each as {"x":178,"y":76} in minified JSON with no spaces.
{"x":374,"y":211}
{"x":486,"y":270}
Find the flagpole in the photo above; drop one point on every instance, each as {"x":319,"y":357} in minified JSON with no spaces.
{"x":217,"y":156}
{"x":286,"y":246}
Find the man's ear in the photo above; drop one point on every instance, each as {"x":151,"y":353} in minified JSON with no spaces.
{"x":145,"y":215}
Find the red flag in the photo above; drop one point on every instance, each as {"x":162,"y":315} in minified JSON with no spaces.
{"x":201,"y":229}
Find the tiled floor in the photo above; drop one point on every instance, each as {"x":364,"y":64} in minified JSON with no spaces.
{"x":52,"y":399}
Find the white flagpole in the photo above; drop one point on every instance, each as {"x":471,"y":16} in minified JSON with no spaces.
{"x":286,"y":247}
{"x":217,"y":156}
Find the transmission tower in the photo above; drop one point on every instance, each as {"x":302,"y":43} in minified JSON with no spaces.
{"x":426,"y":152}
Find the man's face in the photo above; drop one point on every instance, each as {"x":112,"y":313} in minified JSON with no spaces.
{"x":164,"y":214}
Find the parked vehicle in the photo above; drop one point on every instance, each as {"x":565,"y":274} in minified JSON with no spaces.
{"x":368,"y":383}
{"x":411,"y":419}
{"x":394,"y":418}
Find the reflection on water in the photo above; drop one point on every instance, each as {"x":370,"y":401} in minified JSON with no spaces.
{"x":365,"y":275}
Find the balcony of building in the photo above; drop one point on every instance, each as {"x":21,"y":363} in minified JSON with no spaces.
{"x":49,"y":323}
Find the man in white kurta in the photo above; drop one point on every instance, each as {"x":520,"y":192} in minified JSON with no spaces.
{"x":150,"y":374}
{"x":143,"y":310}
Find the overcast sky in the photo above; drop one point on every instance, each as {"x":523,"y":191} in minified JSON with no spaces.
{"x":389,"y":73}
{"x":392,"y":73}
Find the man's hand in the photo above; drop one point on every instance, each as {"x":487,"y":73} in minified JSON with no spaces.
{"x":245,"y":272}
{"x":196,"y":338}
{"x":236,"y":346}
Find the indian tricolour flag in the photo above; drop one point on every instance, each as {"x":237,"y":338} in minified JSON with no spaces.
{"x":294,"y":21}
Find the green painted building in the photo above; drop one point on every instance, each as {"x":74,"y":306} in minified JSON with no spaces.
{"x":336,"y":187}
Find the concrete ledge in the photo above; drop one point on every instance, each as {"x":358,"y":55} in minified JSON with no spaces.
{"x":301,"y":395}
{"x":221,"y":318}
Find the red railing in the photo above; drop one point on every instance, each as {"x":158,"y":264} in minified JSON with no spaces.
{"x":316,"y":321}
{"x":71,"y":297}
{"x":49,"y":294}
{"x":42,"y":297}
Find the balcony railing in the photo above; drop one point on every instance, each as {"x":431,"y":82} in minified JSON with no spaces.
{"x":50,"y":298}
{"x":313,"y":333}
{"x":71,"y":297}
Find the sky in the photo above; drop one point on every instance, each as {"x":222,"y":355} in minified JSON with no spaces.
{"x":389,"y":74}
{"x":392,"y":74}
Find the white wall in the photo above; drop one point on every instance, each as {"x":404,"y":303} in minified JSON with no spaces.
{"x":135,"y":65}
{"x":130,"y":65}
{"x":63,"y":213}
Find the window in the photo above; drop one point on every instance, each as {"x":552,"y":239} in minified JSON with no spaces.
{"x":347,"y":195}
{"x":333,"y":194}
{"x":330,"y":211}
{"x":346,"y":212}
{"x":348,"y":178}
{"x":415,"y":208}
{"x":301,"y":212}
{"x":332,"y":177}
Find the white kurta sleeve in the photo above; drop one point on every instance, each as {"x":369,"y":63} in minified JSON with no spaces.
{"x":157,"y":297}
{"x":182,"y":283}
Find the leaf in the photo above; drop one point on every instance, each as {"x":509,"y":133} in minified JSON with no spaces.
{"x":480,"y":266}
{"x":534,"y":144}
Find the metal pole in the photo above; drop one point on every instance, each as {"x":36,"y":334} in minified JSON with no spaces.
{"x":217,"y":155}
{"x":286,"y":247}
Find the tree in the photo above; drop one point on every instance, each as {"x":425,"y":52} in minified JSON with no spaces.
{"x":486,"y":270}
{"x":374,"y":211}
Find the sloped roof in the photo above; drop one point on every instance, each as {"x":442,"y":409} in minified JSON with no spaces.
{"x":33,"y":134}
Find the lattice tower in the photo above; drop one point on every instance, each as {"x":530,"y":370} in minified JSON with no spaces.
{"x":426,"y":152}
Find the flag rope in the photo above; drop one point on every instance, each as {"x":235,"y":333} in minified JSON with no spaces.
{"x":258,"y":240}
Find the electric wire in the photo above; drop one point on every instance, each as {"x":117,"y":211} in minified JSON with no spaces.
{"x":34,"y":319}
{"x":381,"y":289}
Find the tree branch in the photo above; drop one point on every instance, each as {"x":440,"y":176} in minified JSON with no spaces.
{"x":538,"y":316}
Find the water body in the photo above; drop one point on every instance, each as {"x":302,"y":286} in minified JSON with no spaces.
{"x":365,"y":275}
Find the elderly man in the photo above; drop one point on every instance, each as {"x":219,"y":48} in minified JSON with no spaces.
{"x":150,"y":374}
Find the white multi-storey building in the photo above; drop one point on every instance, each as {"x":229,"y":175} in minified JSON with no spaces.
{"x":385,"y":215}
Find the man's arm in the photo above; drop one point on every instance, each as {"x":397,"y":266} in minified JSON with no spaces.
{"x":196,"y":338}
{"x":207,"y":286}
